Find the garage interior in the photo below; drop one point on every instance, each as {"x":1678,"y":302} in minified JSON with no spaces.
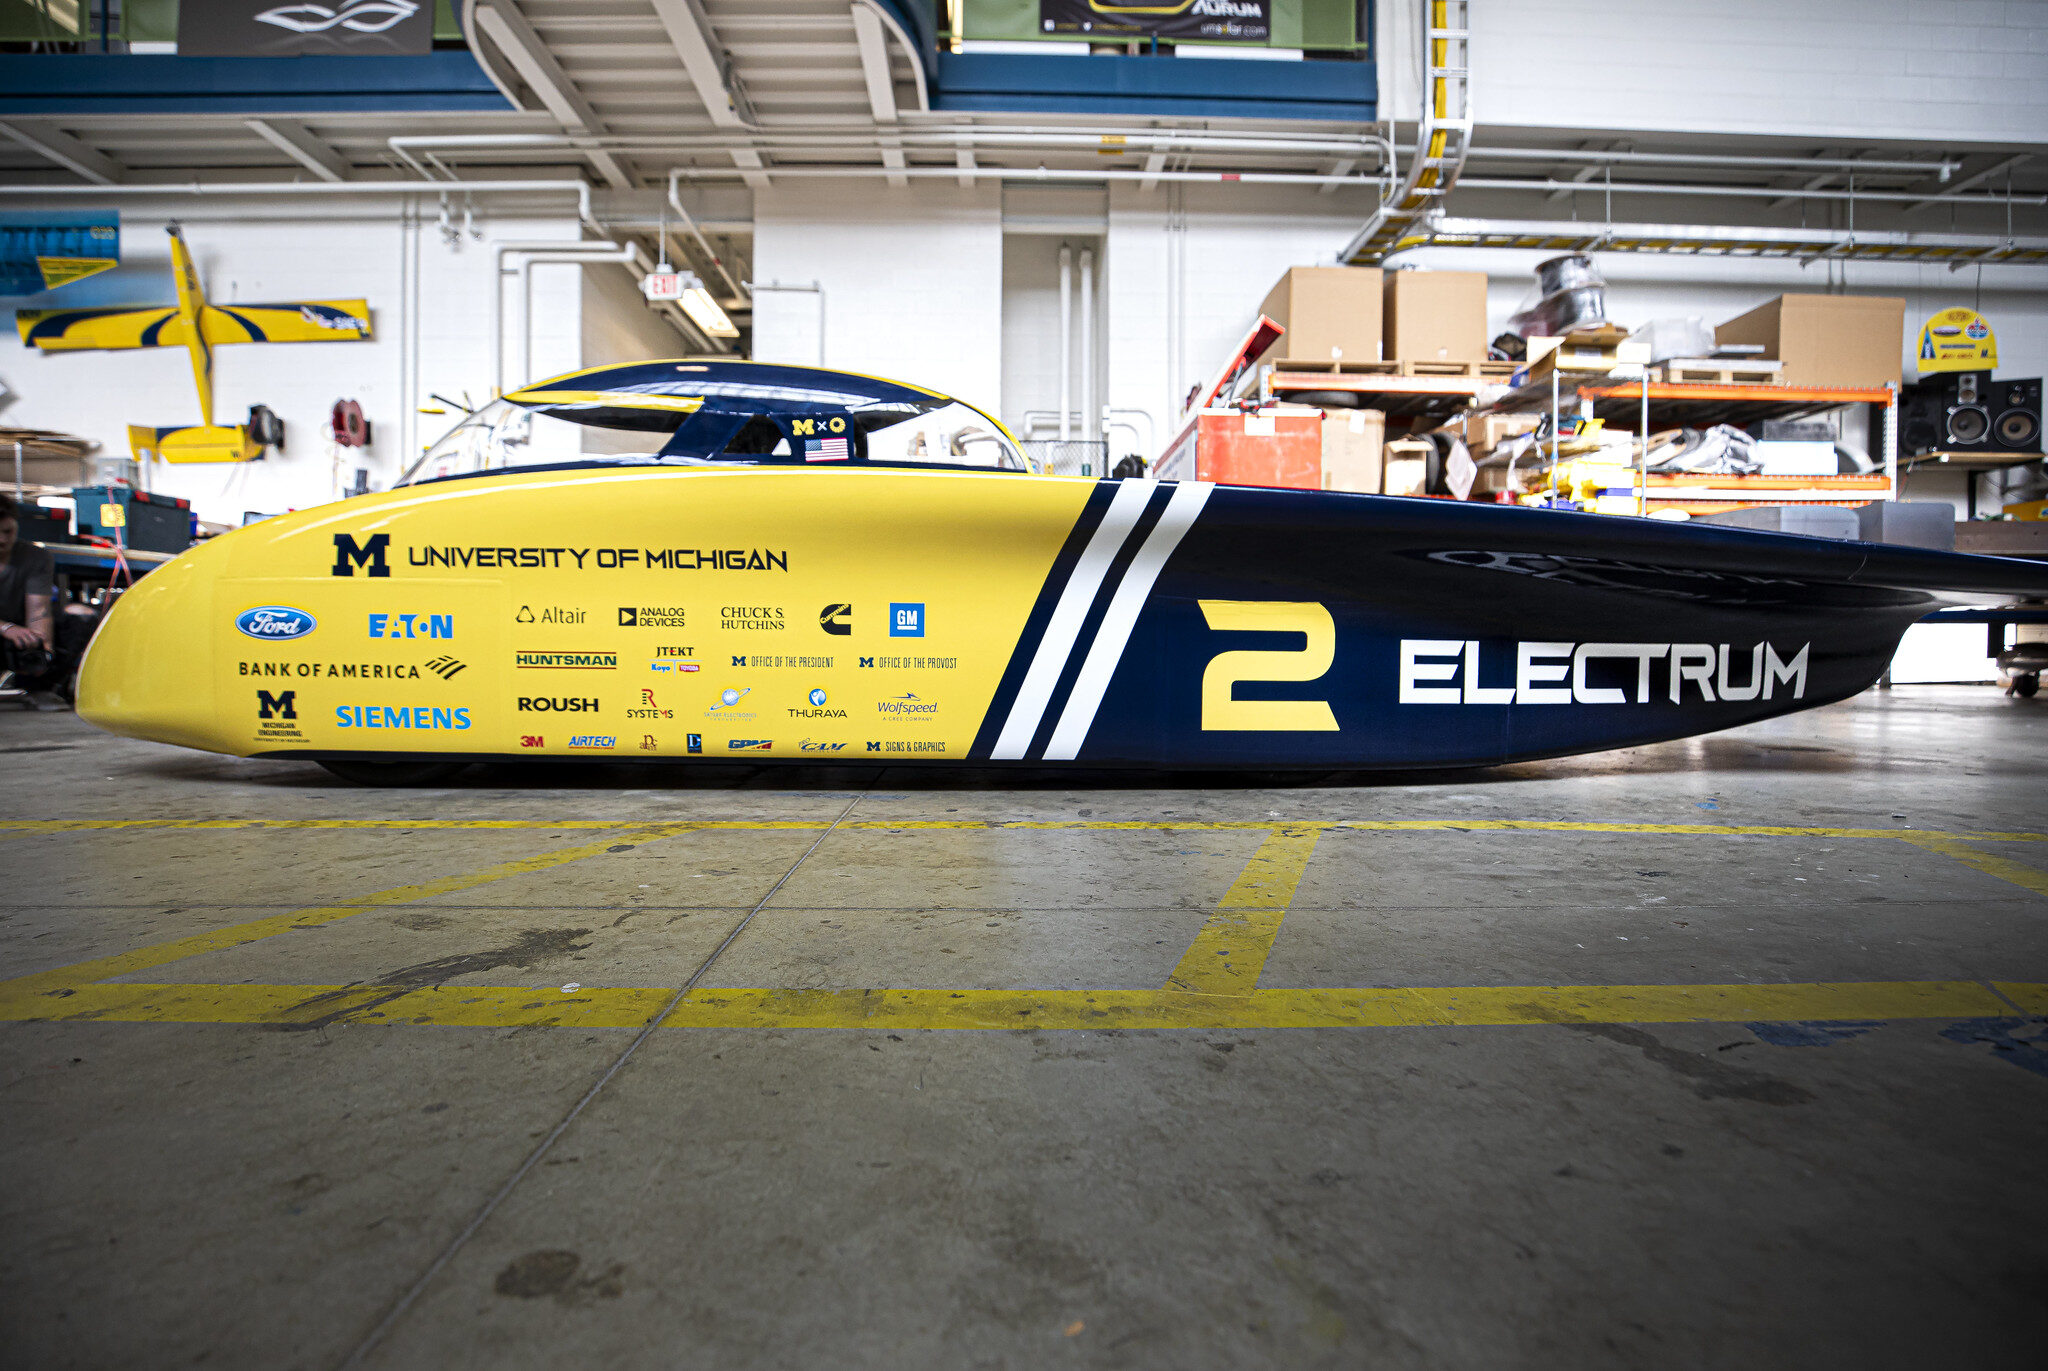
{"x":1727,"y":1049}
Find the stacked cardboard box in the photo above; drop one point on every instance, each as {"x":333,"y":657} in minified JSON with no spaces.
{"x":1435,"y":316}
{"x":1331,"y":314}
{"x":1352,"y":439}
{"x":1826,"y":340}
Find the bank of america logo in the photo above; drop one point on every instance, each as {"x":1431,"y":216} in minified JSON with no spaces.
{"x":446,"y":667}
{"x":358,"y":16}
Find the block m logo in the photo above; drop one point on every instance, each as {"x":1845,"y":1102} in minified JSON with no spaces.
{"x":283,"y":705}
{"x":349,"y":554}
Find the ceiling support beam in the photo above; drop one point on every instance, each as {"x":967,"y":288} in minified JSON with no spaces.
{"x":294,"y":141}
{"x":1336,"y":171}
{"x":706,"y":62}
{"x":1154,"y":164}
{"x":1970,"y":182}
{"x":507,"y":28}
{"x":67,"y":152}
{"x":874,"y":63}
{"x":963,"y":158}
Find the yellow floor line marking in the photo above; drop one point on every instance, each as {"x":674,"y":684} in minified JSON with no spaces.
{"x":1230,"y":951}
{"x":2004,"y":868}
{"x":2031,"y":997}
{"x":1422,"y":1006}
{"x":29,"y":991}
{"x":29,"y":826}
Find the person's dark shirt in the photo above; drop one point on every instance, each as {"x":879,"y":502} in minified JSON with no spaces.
{"x":31,"y":570}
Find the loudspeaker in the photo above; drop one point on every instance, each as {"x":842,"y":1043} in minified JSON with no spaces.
{"x":2016,"y":415}
{"x":1950,"y":412}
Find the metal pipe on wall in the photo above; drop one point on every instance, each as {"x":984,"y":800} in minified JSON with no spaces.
{"x":1066,"y":343}
{"x":1088,"y":345}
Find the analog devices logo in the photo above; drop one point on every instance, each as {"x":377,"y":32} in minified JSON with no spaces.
{"x":836,"y":620}
{"x":275,"y":623}
{"x":651,"y":616}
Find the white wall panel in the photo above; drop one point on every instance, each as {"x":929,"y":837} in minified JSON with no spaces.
{"x":1944,"y":71}
{"x":913,"y":282}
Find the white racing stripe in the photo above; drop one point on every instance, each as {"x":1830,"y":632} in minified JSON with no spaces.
{"x":1124,"y":607}
{"x":1057,"y":643}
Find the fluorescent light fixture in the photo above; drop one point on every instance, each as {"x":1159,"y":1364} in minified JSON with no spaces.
{"x":705,"y":313}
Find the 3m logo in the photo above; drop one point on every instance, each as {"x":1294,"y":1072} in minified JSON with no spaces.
{"x":532,"y":740}
{"x":349,"y":554}
{"x":283,"y":705}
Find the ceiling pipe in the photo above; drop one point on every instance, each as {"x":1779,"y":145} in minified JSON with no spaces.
{"x":1080,"y":174}
{"x":581,"y":189}
{"x":1944,"y":168}
{"x":1744,"y":192}
{"x":1094,"y":140}
{"x":563,"y":250}
{"x":740,"y":290}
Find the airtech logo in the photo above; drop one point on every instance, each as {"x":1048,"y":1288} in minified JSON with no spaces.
{"x":836,"y":620}
{"x":350,"y":554}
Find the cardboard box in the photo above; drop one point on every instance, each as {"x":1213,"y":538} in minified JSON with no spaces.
{"x":1406,"y":462}
{"x":1435,"y":316}
{"x":1485,"y":432}
{"x":1826,"y":340}
{"x":1331,"y":314}
{"x":1352,"y":439}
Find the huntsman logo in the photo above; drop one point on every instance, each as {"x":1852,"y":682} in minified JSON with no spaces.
{"x":358,"y":16}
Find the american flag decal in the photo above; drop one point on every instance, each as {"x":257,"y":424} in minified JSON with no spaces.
{"x":826,"y":450}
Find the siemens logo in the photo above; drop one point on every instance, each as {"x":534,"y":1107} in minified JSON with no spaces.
{"x":400,"y":716}
{"x":546,"y":704}
{"x":1447,"y":671}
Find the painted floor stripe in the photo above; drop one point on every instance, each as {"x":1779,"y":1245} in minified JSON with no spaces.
{"x":1230,"y":952}
{"x":2004,"y":868}
{"x":35,"y":989}
{"x":1416,"y":1007}
{"x":32,"y":826}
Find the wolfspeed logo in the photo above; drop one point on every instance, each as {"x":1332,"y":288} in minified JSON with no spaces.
{"x":1447,"y":671}
{"x":565,"y":661}
{"x":907,"y":705}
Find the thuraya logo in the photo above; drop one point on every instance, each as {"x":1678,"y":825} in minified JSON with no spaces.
{"x":817,"y":698}
{"x":275,"y":623}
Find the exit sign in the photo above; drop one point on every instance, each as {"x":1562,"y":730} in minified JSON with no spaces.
{"x":663,"y":285}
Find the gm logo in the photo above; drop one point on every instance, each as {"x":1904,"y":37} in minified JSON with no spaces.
{"x":283,"y":705}
{"x":836,"y":620}
{"x":275,"y":623}
{"x":906,"y":621}
{"x":349,"y":554}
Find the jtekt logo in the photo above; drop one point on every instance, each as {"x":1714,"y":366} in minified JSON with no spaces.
{"x":557,"y":704}
{"x":283,"y":705}
{"x":349,"y":554}
{"x":836,"y":620}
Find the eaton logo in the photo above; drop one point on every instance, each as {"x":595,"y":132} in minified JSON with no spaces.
{"x":906,"y":621}
{"x":275,"y":623}
{"x":412,"y":625}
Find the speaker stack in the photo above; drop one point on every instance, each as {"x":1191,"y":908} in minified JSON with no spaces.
{"x":1967,"y":411}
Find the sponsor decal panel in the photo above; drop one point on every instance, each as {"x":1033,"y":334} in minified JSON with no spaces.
{"x":906,"y":620}
{"x":565,"y":661}
{"x":412,"y":625}
{"x":275,"y":623}
{"x":751,"y":618}
{"x":652,"y":616}
{"x":418,"y":717}
{"x":557,"y":704}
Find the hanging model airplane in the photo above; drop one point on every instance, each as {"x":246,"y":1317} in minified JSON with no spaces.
{"x":200,"y":327}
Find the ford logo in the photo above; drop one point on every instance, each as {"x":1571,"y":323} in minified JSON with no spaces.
{"x":275,"y":623}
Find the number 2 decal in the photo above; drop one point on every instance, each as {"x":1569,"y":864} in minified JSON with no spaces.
{"x":1222,"y":712}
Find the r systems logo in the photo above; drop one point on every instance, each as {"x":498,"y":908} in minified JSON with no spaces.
{"x":836,"y":620}
{"x":370,"y":556}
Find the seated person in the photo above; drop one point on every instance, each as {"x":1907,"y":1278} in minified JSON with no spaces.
{"x":28,"y":637}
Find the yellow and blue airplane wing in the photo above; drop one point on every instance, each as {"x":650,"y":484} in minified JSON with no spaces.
{"x":131,"y":326}
{"x":155,"y":326}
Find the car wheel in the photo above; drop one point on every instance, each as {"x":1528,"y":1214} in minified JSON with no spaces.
{"x":2026,"y":686}
{"x":393,"y":773}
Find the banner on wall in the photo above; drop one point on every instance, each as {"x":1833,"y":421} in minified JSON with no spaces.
{"x":304,"y":28}
{"x":44,"y":249}
{"x":1218,"y":21}
{"x":1958,"y":340}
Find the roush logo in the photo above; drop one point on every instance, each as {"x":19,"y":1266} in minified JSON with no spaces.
{"x":1450,"y":671}
{"x":557,"y":704}
{"x":275,"y":623}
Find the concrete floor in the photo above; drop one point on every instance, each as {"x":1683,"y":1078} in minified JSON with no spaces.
{"x":1016,"y":1071}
